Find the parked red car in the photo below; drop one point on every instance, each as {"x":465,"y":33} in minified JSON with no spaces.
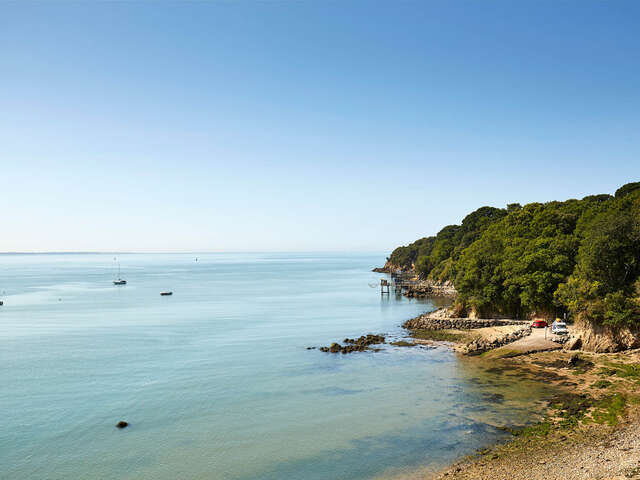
{"x":539,"y":324}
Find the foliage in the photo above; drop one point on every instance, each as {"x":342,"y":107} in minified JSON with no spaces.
{"x":576,"y":256}
{"x":405,"y":257}
{"x":435,"y":257}
{"x":604,"y":285}
{"x":627,"y":189}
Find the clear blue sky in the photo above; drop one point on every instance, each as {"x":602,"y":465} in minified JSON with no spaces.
{"x":306,"y":125}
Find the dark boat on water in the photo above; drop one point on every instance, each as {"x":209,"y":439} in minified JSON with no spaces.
{"x":165,"y":294}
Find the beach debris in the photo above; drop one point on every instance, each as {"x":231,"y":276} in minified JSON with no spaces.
{"x":122,"y":424}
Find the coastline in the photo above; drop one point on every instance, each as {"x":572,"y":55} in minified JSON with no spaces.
{"x":591,"y":429}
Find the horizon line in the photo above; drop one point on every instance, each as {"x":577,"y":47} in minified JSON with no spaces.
{"x":148,"y":252}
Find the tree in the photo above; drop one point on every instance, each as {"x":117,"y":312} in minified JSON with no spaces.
{"x":581,"y":256}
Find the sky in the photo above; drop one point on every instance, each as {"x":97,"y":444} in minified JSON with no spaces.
{"x":304,"y":125}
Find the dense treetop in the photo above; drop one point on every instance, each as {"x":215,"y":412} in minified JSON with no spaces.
{"x":576,"y":256}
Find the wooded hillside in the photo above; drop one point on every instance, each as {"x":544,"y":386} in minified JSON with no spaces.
{"x":578,"y":256}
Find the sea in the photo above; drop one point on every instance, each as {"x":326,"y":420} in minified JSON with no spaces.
{"x":217,"y":381}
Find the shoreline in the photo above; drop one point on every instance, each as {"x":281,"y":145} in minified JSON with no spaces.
{"x":590,"y":430}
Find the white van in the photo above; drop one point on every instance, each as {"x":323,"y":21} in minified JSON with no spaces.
{"x":559,"y":328}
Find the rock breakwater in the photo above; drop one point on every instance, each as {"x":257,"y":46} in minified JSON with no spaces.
{"x":427,"y":322}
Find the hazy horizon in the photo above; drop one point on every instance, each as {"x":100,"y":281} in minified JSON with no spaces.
{"x":186,"y":252}
{"x":304,"y":126}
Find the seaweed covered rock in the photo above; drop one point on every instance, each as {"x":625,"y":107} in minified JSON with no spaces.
{"x":359,"y":344}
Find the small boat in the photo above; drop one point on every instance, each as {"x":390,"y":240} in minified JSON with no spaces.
{"x":119,"y":281}
{"x":165,"y":294}
{"x":1,"y":303}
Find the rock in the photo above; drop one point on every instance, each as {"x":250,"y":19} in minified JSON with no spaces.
{"x":122,"y":424}
{"x":354,"y":345}
{"x":573,"y":343}
{"x":605,"y":339}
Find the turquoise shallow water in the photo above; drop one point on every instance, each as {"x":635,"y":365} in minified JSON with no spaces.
{"x":216,"y":381}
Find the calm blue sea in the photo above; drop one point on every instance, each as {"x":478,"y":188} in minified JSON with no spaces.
{"x":216,"y":381}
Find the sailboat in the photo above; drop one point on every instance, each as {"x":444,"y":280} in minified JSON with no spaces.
{"x":119,"y":281}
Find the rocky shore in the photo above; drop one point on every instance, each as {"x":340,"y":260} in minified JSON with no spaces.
{"x":473,"y":336}
{"x":354,"y":344}
{"x":591,"y":429}
{"x":425,"y":288}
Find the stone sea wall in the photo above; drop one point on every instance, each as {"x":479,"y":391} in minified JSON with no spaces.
{"x":427,"y":322}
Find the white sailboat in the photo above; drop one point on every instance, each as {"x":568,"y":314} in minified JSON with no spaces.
{"x":119,"y":281}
